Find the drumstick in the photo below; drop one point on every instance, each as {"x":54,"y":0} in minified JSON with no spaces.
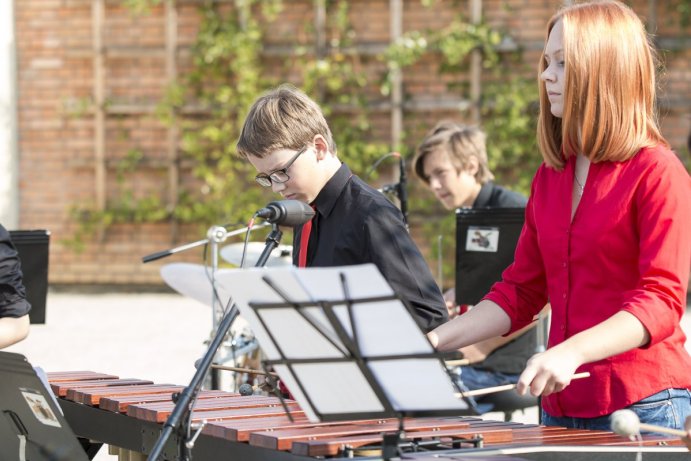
{"x":456,"y":362}
{"x":243,"y":370}
{"x":505,"y":387}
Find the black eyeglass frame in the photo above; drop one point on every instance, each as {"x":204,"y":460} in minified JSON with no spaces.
{"x":266,"y":180}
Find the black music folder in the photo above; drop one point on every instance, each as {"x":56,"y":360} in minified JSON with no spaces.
{"x":32,"y":427}
{"x":32,"y":249}
{"x":485,"y":244}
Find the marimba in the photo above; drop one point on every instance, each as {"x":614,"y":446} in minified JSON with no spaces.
{"x":129,"y":413}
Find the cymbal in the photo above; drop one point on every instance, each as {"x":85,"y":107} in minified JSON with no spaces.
{"x":192,"y":280}
{"x":280,"y":256}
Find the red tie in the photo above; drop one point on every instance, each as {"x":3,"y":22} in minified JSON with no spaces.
{"x":304,"y":241}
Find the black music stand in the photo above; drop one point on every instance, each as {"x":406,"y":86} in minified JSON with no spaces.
{"x":31,"y":424}
{"x":345,"y":345}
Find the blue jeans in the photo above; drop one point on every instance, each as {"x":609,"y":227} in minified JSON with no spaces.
{"x":475,"y":378}
{"x":668,"y":408}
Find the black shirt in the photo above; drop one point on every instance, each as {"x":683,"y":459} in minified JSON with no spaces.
{"x":13,"y":301}
{"x":355,"y":224}
{"x":511,"y":358}
{"x":493,"y":196}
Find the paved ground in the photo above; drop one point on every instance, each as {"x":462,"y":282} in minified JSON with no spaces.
{"x":148,"y":336}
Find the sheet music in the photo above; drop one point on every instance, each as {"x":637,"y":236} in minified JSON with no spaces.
{"x":338,"y":384}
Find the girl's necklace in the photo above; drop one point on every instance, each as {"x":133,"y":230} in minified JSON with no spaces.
{"x":579,"y":186}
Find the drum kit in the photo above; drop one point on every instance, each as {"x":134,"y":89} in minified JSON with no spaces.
{"x":196,"y":281}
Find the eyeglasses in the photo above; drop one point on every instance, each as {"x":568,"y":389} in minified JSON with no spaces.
{"x":278,"y":176}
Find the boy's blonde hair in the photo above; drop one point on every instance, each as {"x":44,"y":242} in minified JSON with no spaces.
{"x":283,"y":118}
{"x":460,"y":142}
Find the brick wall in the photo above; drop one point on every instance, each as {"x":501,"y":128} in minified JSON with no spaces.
{"x":57,"y":117}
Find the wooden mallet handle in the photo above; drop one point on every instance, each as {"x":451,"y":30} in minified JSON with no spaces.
{"x":506,"y":387}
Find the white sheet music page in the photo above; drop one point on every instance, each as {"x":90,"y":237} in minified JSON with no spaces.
{"x":335,"y":382}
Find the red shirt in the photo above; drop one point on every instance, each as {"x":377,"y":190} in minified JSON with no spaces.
{"x":628,"y":248}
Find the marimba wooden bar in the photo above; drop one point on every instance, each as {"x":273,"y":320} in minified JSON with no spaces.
{"x":128,"y":413}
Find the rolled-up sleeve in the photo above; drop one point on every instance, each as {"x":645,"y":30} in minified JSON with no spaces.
{"x":663,"y":204}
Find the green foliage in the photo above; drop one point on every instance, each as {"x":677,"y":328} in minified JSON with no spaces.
{"x":228,"y":74}
{"x":124,"y":208}
{"x":139,"y":7}
{"x":460,"y":38}
{"x":338,"y":83}
{"x":226,"y":78}
{"x":683,"y":10}
{"x":508,"y":116}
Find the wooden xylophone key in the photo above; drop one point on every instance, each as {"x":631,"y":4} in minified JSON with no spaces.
{"x":93,"y":395}
{"x":119,"y":403}
{"x":61,"y":376}
{"x":542,"y":435}
{"x":227,"y":407}
{"x":282,"y":439}
{"x":61,"y":388}
{"x":650,"y":440}
{"x":62,"y":380}
{"x":335,"y":446}
{"x":239,"y":430}
{"x":613,"y":440}
{"x":554,"y":435}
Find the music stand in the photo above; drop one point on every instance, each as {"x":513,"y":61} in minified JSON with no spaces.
{"x":32,"y":426}
{"x":344,"y":344}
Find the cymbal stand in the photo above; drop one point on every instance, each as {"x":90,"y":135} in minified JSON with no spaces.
{"x":214,"y":236}
{"x":230,"y":351}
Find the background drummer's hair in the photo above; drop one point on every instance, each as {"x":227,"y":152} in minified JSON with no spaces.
{"x":461,"y":142}
{"x":609,"y":86}
{"x":283,"y":118}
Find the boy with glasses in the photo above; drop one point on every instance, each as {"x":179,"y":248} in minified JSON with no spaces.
{"x":287,"y":139}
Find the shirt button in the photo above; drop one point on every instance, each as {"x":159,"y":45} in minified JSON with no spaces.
{"x":563,"y":264}
{"x":564,"y":296}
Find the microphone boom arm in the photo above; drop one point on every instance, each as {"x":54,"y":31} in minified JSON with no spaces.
{"x":188,"y":246}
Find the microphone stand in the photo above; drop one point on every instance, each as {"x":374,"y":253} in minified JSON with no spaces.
{"x":272,"y":241}
{"x":185,"y":400}
{"x":402,"y":190}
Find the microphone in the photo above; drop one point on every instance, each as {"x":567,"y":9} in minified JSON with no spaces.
{"x":626,"y":423}
{"x":289,"y":213}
